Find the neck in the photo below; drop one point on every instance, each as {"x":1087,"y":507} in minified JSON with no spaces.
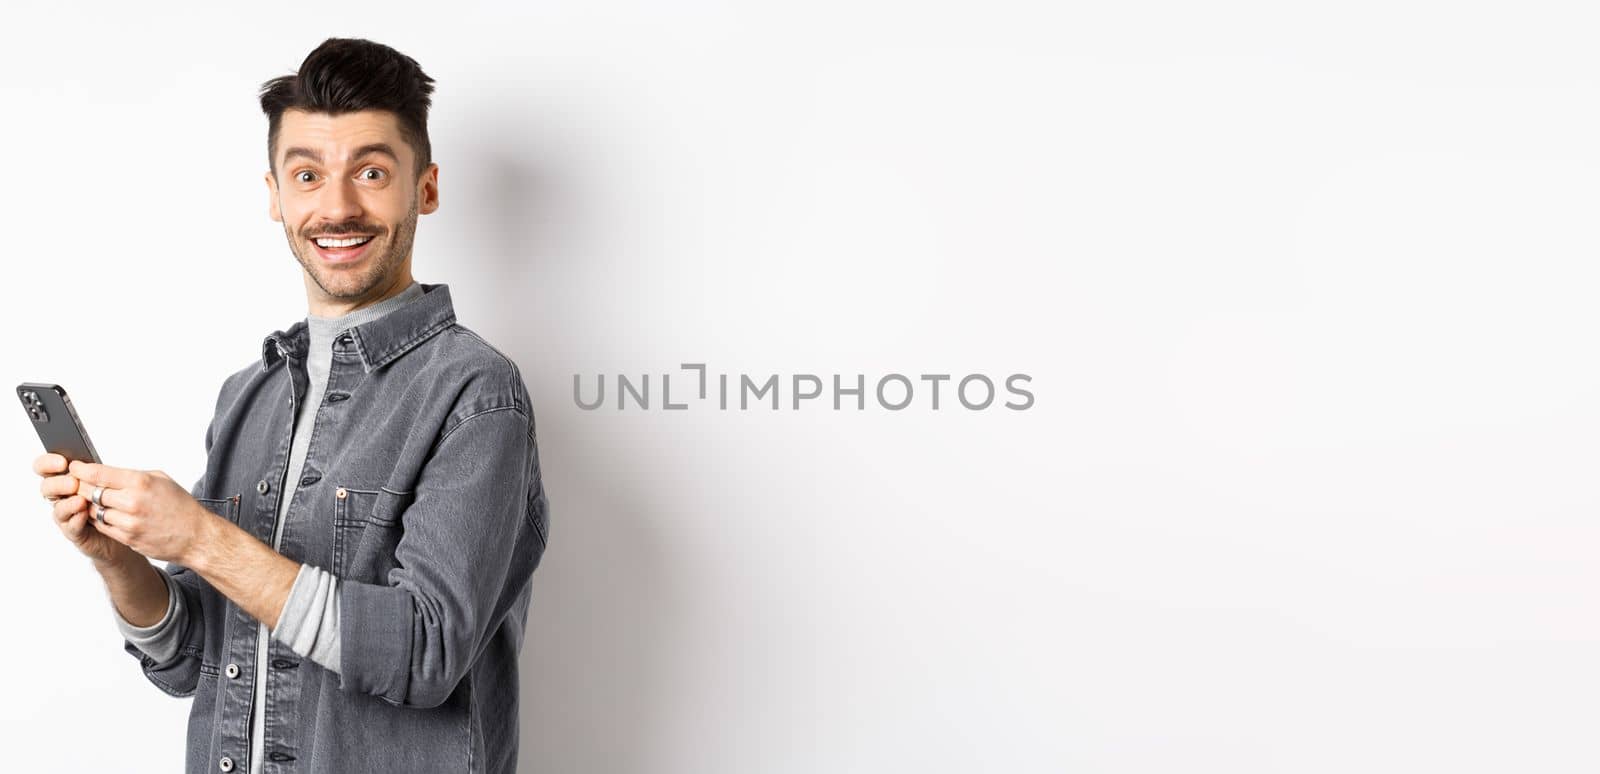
{"x":320,"y":304}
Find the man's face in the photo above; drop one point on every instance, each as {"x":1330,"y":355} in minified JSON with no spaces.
{"x":348,"y":199}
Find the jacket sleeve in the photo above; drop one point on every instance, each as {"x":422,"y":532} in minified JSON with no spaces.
{"x":179,"y":675}
{"x":472,"y":538}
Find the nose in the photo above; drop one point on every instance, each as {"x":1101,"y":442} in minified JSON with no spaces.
{"x":340,"y":201}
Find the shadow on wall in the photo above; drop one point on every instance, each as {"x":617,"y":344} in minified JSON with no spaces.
{"x":600,"y":625}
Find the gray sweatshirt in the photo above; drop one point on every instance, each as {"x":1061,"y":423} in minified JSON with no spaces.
{"x":309,"y":623}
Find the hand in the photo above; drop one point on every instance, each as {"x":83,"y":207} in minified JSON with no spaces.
{"x":145,"y":510}
{"x":73,"y":512}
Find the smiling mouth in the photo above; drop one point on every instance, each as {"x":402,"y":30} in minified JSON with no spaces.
{"x":342,"y":249}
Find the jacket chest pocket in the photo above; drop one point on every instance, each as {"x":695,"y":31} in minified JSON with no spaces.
{"x":366,"y":530}
{"x":226,"y":507}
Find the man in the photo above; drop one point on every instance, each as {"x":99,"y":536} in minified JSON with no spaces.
{"x":347,"y":584}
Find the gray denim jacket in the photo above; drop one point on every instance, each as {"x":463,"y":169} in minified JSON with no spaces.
{"x":421,"y":491}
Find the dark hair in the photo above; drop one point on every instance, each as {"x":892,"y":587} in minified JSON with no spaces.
{"x":344,"y":75}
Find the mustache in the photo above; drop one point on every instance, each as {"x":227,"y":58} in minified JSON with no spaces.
{"x":343,"y":232}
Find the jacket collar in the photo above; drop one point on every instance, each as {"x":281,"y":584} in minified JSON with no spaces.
{"x":377,"y":341}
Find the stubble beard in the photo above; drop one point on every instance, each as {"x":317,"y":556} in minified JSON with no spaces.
{"x":381,"y":267}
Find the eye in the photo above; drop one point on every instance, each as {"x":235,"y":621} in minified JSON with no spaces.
{"x":373,"y":173}
{"x":305,"y":176}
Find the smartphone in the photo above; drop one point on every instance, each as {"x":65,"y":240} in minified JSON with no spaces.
{"x":56,"y":421}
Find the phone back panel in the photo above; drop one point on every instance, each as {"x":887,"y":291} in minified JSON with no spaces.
{"x":51,"y":413}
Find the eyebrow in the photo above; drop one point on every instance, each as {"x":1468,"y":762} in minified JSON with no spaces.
{"x":370,"y":148}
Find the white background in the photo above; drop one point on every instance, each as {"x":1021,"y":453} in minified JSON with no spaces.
{"x":1306,"y":292}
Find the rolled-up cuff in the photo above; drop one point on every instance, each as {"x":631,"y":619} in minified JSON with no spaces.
{"x":375,"y":634}
{"x":162,"y":639}
{"x":309,"y":623}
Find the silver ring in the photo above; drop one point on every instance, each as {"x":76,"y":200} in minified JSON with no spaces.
{"x":100,"y":514}
{"x":94,"y":495}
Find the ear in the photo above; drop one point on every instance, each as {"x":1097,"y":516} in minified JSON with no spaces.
{"x":428,"y":198}
{"x":272,"y":198}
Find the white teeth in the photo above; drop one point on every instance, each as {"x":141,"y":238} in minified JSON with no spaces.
{"x":351,"y":242}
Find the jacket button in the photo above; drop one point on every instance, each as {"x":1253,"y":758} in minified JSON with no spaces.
{"x":226,"y":764}
{"x":261,"y":486}
{"x":232,"y":670}
{"x":340,"y":493}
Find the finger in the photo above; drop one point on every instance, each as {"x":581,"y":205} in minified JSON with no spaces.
{"x":67,"y":506}
{"x":113,"y":498}
{"x":110,"y":530}
{"x":110,"y":497}
{"x":101,"y":474}
{"x":58,"y":486}
{"x":49,"y":463}
{"x":75,"y":525}
{"x":72,"y":529}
